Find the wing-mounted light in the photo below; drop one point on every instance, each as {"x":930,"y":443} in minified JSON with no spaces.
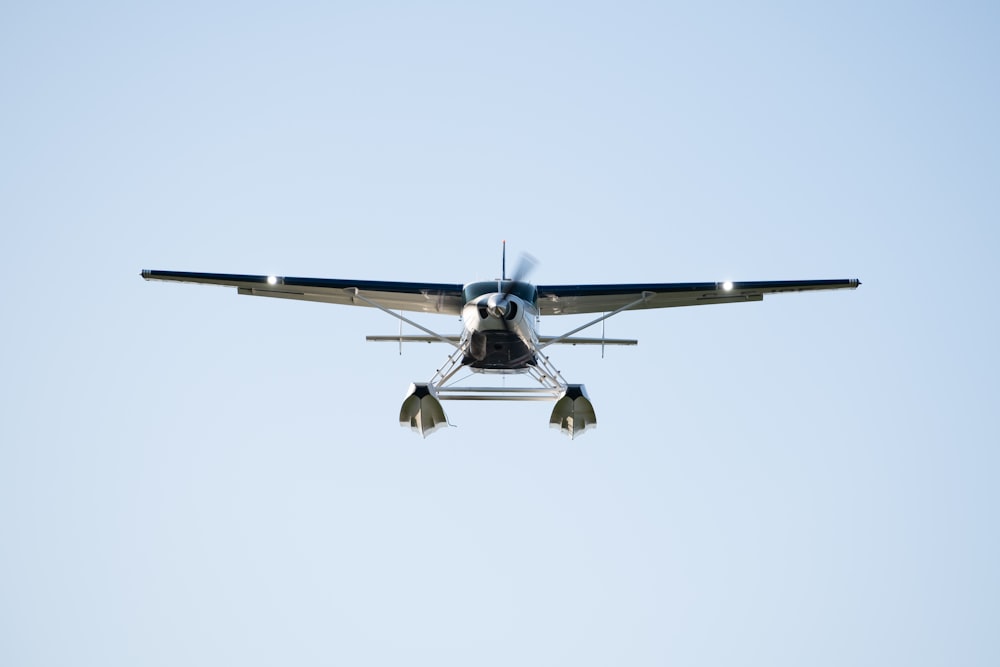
{"x":573,"y":413}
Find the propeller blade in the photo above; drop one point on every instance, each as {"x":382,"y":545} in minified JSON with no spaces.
{"x":525,"y":265}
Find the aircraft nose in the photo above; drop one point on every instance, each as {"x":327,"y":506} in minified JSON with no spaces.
{"x":497,"y":306}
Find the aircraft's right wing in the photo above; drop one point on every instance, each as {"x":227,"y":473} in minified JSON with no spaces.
{"x":573,"y":299}
{"x":421,"y":297}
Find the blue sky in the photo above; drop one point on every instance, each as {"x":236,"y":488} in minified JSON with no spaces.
{"x":188,"y":477}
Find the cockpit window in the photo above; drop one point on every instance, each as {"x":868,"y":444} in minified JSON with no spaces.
{"x":525,"y":291}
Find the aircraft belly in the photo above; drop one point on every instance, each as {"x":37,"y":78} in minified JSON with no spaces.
{"x":498,"y":350}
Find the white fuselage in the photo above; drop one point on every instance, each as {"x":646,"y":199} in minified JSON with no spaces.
{"x":500,"y":335}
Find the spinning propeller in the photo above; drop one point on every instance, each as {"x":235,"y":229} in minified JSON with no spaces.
{"x":498,"y":305}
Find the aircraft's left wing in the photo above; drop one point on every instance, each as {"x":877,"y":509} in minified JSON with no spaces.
{"x":420,"y":297}
{"x":572,"y":299}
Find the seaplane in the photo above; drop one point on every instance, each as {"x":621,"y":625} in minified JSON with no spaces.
{"x":500,"y":335}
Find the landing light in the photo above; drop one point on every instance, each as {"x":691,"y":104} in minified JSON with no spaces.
{"x":727,"y":286}
{"x":272,"y":280}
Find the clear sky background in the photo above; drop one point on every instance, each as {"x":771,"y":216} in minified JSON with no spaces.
{"x":188,"y":477}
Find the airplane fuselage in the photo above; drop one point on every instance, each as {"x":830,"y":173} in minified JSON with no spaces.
{"x":499,"y":319}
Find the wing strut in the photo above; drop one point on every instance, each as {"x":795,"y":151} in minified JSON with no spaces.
{"x":646,"y":296}
{"x":375,"y":304}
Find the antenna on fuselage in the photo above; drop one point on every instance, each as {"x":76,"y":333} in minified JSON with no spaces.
{"x":503,"y":262}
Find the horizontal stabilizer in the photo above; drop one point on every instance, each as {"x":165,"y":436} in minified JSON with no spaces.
{"x":545,"y":340}
{"x":396,"y":338}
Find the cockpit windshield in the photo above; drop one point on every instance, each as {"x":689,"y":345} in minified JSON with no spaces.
{"x":524,"y":291}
